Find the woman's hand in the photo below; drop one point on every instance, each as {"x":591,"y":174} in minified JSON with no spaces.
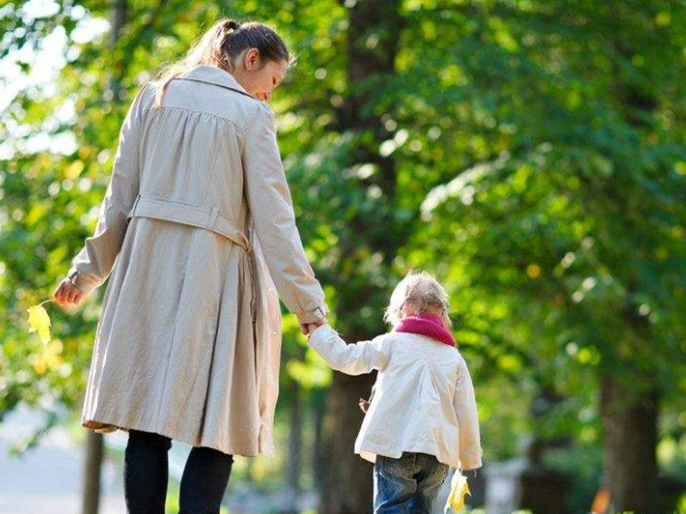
{"x":67,"y":293}
{"x":308,"y":328}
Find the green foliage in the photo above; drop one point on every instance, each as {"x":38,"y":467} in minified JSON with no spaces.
{"x":539,"y":171}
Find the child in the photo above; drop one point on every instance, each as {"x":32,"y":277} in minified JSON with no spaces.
{"x":422,"y":418}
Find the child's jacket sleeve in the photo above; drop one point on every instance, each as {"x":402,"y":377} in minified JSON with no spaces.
{"x":468,"y":419}
{"x":353,"y":359}
{"x":93,"y":264}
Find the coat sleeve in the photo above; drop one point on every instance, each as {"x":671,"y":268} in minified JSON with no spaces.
{"x":352,"y":359}
{"x":271,"y":207}
{"x":94,"y":263}
{"x":468,"y":419}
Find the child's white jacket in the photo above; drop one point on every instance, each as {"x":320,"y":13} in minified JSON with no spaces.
{"x":423,"y":398}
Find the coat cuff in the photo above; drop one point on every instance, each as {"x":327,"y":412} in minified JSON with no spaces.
{"x":80,"y":282}
{"x":313,"y":316}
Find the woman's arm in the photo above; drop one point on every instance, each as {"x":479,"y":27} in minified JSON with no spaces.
{"x":353,"y":359}
{"x":93,"y":264}
{"x":270,"y":204}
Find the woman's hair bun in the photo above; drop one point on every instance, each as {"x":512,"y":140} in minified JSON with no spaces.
{"x":231,"y":25}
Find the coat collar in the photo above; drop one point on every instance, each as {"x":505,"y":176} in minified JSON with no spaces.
{"x":214,"y":75}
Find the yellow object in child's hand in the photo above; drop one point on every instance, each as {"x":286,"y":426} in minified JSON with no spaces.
{"x":39,"y":321}
{"x":458,"y":490}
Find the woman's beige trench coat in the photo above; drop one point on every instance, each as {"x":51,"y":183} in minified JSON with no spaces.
{"x":196,"y":222}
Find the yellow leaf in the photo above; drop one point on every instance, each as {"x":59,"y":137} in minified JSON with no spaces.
{"x":39,"y":321}
{"x":459,"y":489}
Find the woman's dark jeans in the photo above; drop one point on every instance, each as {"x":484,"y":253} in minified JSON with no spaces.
{"x":146,"y":474}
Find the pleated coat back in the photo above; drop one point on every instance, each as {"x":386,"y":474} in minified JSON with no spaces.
{"x":196,"y":234}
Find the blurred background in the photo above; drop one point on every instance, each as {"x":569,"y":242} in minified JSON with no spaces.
{"x":528,"y":153}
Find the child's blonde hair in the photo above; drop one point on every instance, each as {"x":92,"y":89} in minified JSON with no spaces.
{"x":422,"y":291}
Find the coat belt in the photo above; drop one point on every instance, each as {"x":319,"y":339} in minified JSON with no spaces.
{"x":189,"y":214}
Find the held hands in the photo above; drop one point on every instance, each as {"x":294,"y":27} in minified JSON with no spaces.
{"x":68,"y":294}
{"x":312,"y":327}
{"x":308,"y":328}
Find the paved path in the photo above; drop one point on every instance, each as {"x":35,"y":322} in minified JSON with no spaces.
{"x":47,"y":479}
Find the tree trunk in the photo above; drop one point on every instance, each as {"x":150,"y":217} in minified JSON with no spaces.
{"x":630,"y":437}
{"x":119,"y":11}
{"x":630,"y":406}
{"x":91,"y":473}
{"x":318,"y":455}
{"x":250,"y":470}
{"x":118,"y":15}
{"x":347,"y":480}
{"x":372,"y":46}
{"x":294,"y":464}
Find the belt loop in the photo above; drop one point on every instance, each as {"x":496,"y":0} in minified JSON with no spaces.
{"x":132,"y":212}
{"x":213,"y":218}
{"x":246,"y":238}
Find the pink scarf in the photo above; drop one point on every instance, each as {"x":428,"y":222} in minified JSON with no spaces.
{"x":427,"y":325}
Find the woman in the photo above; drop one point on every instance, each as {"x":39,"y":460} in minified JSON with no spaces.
{"x":189,"y":335}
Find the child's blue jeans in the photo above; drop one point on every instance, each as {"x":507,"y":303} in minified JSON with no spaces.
{"x":408,"y":484}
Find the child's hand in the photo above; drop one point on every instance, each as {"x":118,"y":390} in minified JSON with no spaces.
{"x":311,"y":327}
{"x":307,"y":328}
{"x":67,"y":293}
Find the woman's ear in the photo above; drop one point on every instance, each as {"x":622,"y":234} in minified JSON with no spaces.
{"x":252,"y":59}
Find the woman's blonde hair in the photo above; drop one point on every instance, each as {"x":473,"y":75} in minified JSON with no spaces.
{"x":422,"y":291}
{"x":222,"y":45}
